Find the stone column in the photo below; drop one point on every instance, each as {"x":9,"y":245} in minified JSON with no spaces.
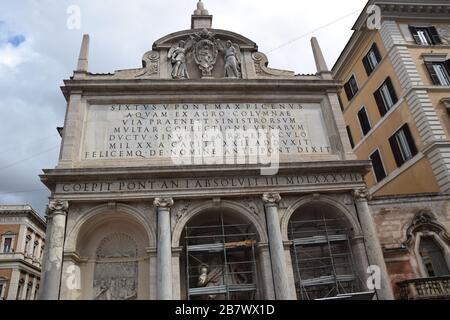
{"x":53,"y":252}
{"x":33,"y":288}
{"x":13,"y":285}
{"x":266,"y":271}
{"x":164,"y":250}
{"x":372,"y":243}
{"x":31,"y":245}
{"x":277,"y":255}
{"x":25,"y":287}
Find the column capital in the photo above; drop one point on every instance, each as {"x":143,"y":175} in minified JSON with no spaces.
{"x":56,"y":207}
{"x":163,"y":202}
{"x":271,"y":199}
{"x":362,"y":194}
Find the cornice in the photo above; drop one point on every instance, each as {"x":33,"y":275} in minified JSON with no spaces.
{"x":52,"y":176}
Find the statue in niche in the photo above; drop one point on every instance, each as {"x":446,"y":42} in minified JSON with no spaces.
{"x":177,"y":56}
{"x":232,"y":57}
{"x":213,"y":275}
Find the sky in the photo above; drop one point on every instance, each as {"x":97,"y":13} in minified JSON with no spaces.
{"x":40,"y":41}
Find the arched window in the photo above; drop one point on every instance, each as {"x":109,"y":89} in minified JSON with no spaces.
{"x":427,"y":236}
{"x":433,"y":258}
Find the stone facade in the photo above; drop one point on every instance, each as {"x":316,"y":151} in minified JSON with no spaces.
{"x":130,"y":217}
{"x":22,"y":242}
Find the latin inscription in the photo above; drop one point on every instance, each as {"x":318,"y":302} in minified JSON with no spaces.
{"x":141,"y":131}
{"x":209,"y":183}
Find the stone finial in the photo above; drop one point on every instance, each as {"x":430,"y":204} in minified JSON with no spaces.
{"x":163,"y":202}
{"x":362,"y":194}
{"x":201,"y":11}
{"x":57,"y":207}
{"x":271,"y":198}
{"x":83,"y":59}
{"x":321,"y":65}
{"x":201,"y":18}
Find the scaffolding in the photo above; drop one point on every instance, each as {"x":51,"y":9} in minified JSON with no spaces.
{"x":220,"y":261}
{"x":322,"y":258}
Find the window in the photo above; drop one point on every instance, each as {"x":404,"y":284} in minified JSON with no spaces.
{"x":403,"y":146}
{"x":364,"y":121}
{"x":27,"y":243}
{"x":7,"y":246}
{"x":432,"y":258}
{"x":28,"y":292}
{"x":439,"y":72}
{"x":425,"y":35}
{"x":385,"y":97}
{"x":378,"y":167}
{"x":351,"y":88}
{"x":2,"y":287}
{"x":34,"y":248}
{"x":350,"y":137}
{"x":372,"y":59}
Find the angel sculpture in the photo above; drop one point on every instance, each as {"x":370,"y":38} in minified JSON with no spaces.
{"x":232,"y":55}
{"x":177,"y":56}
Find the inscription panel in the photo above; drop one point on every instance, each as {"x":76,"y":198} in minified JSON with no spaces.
{"x":167,"y":131}
{"x":211,"y":184}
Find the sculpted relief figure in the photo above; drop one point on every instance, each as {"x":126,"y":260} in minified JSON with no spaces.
{"x":177,"y":56}
{"x":232,"y":57}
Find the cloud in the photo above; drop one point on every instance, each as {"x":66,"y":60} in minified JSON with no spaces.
{"x":38,"y":51}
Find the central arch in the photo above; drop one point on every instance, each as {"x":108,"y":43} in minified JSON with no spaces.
{"x":219,"y":256}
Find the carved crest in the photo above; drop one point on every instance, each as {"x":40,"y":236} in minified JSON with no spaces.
{"x":205,"y":52}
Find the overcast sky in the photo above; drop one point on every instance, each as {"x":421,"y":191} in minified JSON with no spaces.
{"x":38,"y":51}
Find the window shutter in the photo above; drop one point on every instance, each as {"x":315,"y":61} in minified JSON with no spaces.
{"x":364,"y":121}
{"x":396,"y":151}
{"x":434,"y":35}
{"x":447,"y":66}
{"x":367,"y":66}
{"x":392,"y":90}
{"x":409,"y":137}
{"x":348,"y":91}
{"x":350,"y":137}
{"x":414,"y":34}
{"x":380,"y":103}
{"x":434,"y":77}
{"x":377,"y":52}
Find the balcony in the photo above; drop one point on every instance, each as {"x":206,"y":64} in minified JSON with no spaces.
{"x":425,"y":288}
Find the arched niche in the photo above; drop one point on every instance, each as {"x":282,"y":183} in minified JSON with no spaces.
{"x":110,"y":256}
{"x":219,"y":258}
{"x":327,"y":252}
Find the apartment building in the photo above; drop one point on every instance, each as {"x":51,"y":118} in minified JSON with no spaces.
{"x":22,"y":233}
{"x":395,"y":73}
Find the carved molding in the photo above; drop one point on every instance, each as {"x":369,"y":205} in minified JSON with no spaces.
{"x":271,"y":198}
{"x":425,"y":221}
{"x":261,"y":62}
{"x":150,"y":63}
{"x":57,"y":207}
{"x":362,"y":194}
{"x":444,"y":33}
{"x":163,"y":202}
{"x":182,"y":210}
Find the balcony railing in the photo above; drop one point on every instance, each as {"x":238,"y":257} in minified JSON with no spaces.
{"x":425,"y":288}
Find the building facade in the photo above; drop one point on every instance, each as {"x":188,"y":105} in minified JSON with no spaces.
{"x":159,"y":194}
{"x":396,"y":87}
{"x":22,"y":233}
